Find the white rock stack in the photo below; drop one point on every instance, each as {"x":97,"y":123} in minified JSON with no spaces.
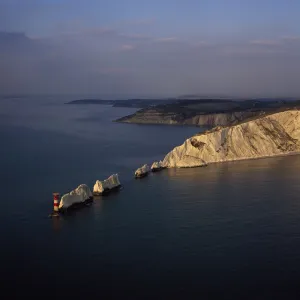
{"x":81,"y":194}
{"x":102,"y":187}
{"x":142,"y":171}
{"x":157,"y":166}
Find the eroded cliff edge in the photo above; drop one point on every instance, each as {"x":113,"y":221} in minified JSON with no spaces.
{"x":151,"y":116}
{"x":271,"y":135}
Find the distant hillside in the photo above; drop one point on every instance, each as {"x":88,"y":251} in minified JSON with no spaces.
{"x":136,"y":103}
{"x":207,"y":112}
{"x":91,"y":101}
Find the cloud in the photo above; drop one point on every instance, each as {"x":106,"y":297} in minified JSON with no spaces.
{"x":166,"y":40}
{"x":249,"y":52}
{"x":138,"y":37}
{"x":291,"y":38}
{"x":265,"y":42}
{"x":200,"y":44}
{"x":93,"y":31}
{"x":140,"y":22}
{"x":127,"y":47}
{"x":113,"y":70}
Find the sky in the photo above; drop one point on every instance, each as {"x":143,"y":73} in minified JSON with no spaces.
{"x":159,"y":47}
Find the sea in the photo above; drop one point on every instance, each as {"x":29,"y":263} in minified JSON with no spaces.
{"x":225,"y":231}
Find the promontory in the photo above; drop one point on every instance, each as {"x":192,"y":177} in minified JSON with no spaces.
{"x":263,"y":136}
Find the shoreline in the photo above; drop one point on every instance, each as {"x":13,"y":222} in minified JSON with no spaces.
{"x":165,"y":124}
{"x":294,"y":153}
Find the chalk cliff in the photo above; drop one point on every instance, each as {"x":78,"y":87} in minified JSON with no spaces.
{"x":269,"y":135}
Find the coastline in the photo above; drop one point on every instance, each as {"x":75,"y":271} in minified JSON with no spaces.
{"x":269,"y":136}
{"x":294,"y":153}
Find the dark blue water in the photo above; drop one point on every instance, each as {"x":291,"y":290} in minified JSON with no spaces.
{"x":228,"y":231}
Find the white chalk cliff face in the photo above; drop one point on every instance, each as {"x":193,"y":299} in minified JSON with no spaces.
{"x":271,"y":135}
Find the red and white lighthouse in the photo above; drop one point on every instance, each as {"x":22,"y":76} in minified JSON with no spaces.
{"x":55,"y":202}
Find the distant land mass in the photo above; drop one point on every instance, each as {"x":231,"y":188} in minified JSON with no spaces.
{"x":136,"y":103}
{"x":208,"y":112}
{"x":195,"y":112}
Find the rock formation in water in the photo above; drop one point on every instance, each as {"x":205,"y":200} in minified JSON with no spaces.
{"x":103,"y":187}
{"x":270,"y":135}
{"x":78,"y":196}
{"x":142,"y":171}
